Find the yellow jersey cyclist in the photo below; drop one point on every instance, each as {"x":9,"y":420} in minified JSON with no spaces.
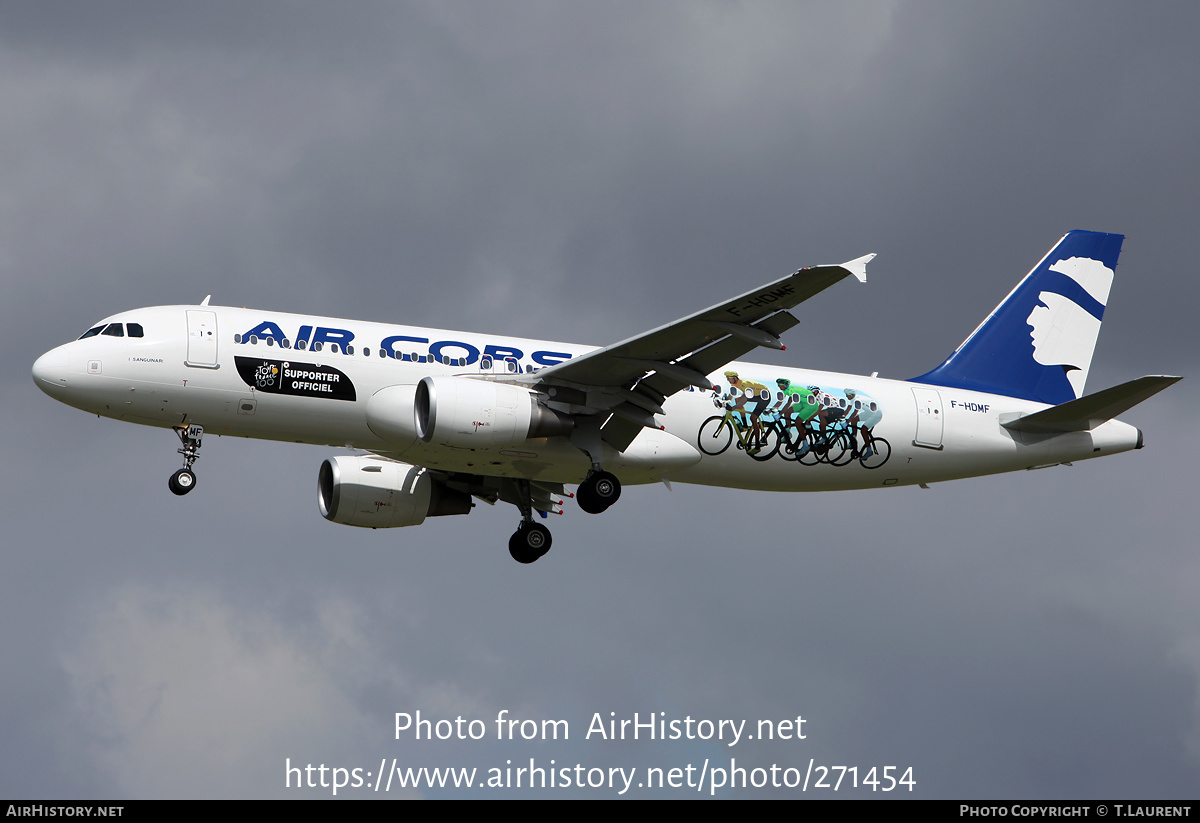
{"x":754,"y":395}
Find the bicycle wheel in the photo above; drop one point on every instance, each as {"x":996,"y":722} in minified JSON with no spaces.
{"x":881,"y":450}
{"x":840,"y":451}
{"x":788,"y":447}
{"x":767,"y":443}
{"x":715,"y":435}
{"x":810,"y":448}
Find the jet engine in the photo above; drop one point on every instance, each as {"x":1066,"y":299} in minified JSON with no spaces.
{"x":467,"y":413}
{"x":380,"y":494}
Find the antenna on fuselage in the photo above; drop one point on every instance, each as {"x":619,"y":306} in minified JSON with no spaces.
{"x":204,"y":302}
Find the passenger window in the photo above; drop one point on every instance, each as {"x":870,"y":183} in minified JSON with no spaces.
{"x":286,"y":344}
{"x":485,"y":364}
{"x":91,"y":332}
{"x":333,"y":347}
{"x":301,"y":345}
{"x":349,"y":350}
{"x":270,"y":341}
{"x":114,"y":330}
{"x":135,"y":329}
{"x":254,"y":340}
{"x":237,"y":338}
{"x":316,"y":346}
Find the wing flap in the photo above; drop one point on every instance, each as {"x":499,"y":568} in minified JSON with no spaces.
{"x":624,"y":363}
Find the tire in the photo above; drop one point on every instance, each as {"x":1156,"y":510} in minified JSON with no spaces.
{"x":882,"y":450}
{"x":606,"y":487}
{"x":598,"y":492}
{"x":586,"y":499}
{"x":529,"y":542}
{"x":182,"y":482}
{"x":715,"y":435}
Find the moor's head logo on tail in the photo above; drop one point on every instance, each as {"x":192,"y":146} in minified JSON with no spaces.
{"x":1065,"y":327}
{"x":1037,"y":344}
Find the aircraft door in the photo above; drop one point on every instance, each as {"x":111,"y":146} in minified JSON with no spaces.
{"x":202,"y":339}
{"x":929,"y":418}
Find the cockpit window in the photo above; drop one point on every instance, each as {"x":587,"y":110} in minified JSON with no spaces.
{"x":114,"y":330}
{"x":91,"y":332}
{"x":135,"y":329}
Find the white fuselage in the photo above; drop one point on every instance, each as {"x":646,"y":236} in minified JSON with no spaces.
{"x":203,"y":365}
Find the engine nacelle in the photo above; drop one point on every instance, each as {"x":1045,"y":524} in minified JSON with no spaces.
{"x":390,"y":415}
{"x":481,"y":414}
{"x":375,"y":493}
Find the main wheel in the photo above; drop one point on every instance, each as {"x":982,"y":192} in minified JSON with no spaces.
{"x":529,"y":542}
{"x":598,"y":492}
{"x":715,"y":435}
{"x":182,"y":481}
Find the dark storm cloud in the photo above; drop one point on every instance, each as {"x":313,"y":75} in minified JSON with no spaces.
{"x":584,"y":173}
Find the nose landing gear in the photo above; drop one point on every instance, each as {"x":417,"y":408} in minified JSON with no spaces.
{"x":184,"y":480}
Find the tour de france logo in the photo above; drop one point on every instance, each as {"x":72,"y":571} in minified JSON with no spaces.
{"x":288,"y":377}
{"x":266,"y":374}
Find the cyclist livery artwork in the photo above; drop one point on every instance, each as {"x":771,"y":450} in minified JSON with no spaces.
{"x":805,"y":424}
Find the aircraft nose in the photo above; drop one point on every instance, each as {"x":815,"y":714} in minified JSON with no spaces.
{"x":50,"y":370}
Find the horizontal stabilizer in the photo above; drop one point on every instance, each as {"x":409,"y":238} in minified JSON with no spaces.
{"x":1090,"y":411}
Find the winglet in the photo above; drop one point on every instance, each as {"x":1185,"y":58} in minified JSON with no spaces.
{"x":204,"y":302}
{"x":858,"y":267}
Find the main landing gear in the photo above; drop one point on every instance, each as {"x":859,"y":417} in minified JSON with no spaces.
{"x":599,"y":491}
{"x":531,"y":540}
{"x":184,"y":480}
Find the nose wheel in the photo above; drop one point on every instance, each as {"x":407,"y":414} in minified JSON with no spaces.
{"x":184,"y":480}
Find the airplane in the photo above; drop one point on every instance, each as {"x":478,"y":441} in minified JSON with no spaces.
{"x":447,"y":418}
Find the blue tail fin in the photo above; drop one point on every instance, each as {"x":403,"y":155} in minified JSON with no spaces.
{"x":1038,"y":343}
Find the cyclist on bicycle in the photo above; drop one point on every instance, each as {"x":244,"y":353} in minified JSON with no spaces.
{"x":757,"y":394}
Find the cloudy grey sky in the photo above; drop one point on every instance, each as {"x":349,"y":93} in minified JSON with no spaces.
{"x":583,"y":172}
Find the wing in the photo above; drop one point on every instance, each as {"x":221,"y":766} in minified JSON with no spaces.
{"x":628,"y":381}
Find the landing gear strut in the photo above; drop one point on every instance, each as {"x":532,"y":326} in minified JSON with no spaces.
{"x":184,"y":480}
{"x":531,"y":540}
{"x":599,"y":491}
